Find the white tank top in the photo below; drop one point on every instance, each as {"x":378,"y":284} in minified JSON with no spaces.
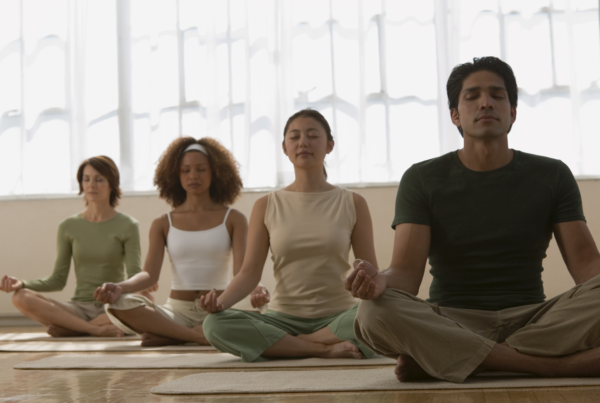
{"x":199,"y":259}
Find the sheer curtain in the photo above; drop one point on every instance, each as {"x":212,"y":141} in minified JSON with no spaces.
{"x":123,"y":78}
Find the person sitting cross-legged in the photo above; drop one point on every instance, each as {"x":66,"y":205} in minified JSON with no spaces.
{"x":309,"y":227}
{"x":484,"y":215}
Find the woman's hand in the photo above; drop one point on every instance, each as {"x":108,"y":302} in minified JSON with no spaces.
{"x":10,"y":284}
{"x":210,"y":303}
{"x":108,"y":293}
{"x":260,"y":297}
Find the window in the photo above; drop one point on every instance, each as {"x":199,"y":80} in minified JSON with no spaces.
{"x":123,"y":78}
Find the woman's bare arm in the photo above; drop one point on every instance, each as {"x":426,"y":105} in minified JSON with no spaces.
{"x":251,"y":271}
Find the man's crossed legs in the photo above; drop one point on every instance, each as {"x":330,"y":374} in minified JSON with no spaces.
{"x":556,"y":338}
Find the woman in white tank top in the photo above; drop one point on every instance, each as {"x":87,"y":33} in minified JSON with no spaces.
{"x":198,"y":178}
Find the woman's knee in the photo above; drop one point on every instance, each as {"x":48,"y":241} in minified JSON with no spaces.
{"x":213,"y":326}
{"x":22,"y":298}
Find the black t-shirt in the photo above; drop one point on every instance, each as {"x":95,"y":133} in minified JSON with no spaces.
{"x":489,"y":230}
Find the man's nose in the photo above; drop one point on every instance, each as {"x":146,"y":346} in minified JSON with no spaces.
{"x":486,"y":102}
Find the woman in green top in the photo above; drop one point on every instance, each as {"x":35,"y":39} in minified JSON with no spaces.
{"x":100,"y":241}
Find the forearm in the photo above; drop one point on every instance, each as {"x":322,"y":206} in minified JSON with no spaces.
{"x":403,"y":279}
{"x":55,"y":282}
{"x":241,"y":286}
{"x":140,"y":282}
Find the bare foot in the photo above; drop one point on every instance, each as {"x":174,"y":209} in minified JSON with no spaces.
{"x":108,"y":331}
{"x":153,"y":340}
{"x":57,"y":331}
{"x":344,"y":349}
{"x":408,"y":370}
{"x":323,"y":337}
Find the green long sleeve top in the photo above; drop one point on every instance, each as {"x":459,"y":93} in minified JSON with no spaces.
{"x":99,"y":251}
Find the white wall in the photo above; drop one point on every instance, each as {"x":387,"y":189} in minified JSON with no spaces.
{"x":28,"y":230}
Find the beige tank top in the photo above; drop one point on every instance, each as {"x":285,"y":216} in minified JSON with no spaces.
{"x":310,"y":243}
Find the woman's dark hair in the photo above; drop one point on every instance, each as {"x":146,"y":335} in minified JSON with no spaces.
{"x":310,"y":113}
{"x":225,"y":185}
{"x":489,"y":63}
{"x":107,"y":168}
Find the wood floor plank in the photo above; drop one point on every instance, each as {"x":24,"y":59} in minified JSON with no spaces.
{"x":523,"y":396}
{"x":550,"y":395}
{"x":471,"y":396}
{"x":496,"y":396}
{"x":577,"y":395}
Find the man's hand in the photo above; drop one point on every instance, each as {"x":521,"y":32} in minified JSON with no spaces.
{"x":108,"y":293}
{"x":365,"y":281}
{"x":10,"y":284}
{"x":259,"y":297}
{"x":209,"y":302}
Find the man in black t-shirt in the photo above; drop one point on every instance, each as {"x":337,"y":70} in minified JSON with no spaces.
{"x":484,"y":215}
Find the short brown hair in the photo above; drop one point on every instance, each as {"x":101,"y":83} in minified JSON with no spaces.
{"x":226,"y":183}
{"x":107,"y":168}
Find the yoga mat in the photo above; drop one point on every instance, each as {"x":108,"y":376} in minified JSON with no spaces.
{"x":90,"y":346}
{"x":11,"y":337}
{"x":376,"y":379}
{"x":200,"y":361}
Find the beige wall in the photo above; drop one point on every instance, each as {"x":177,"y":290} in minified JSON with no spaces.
{"x":28,"y":230}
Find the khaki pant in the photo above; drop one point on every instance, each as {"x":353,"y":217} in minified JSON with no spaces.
{"x":450,"y":343}
{"x":85,"y":310}
{"x":184,"y":313}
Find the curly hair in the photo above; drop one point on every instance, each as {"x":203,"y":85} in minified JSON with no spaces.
{"x":226,"y":183}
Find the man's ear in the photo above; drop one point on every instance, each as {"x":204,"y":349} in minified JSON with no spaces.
{"x":454,"y":116}
{"x":513,"y":114}
{"x":330,"y":145}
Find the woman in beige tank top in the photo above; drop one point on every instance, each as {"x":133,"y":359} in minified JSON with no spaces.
{"x":309,"y":227}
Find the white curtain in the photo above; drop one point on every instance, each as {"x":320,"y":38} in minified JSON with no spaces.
{"x":123,"y":78}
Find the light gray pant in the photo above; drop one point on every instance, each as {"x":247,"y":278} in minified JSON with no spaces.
{"x":450,"y":343}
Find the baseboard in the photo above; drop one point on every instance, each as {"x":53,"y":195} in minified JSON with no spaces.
{"x":16,"y":319}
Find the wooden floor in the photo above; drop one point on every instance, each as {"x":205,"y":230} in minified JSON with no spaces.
{"x":132,"y":386}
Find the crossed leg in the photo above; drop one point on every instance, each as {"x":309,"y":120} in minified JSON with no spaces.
{"x":558,"y":338}
{"x":60,"y":321}
{"x":322,"y":343}
{"x":156,"y":329}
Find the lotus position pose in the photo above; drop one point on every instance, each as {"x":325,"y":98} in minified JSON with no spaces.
{"x":199,"y":178}
{"x":100,"y":241}
{"x":484,"y":215}
{"x":310,"y":227}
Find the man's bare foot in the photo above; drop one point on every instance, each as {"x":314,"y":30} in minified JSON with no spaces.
{"x":408,"y":370}
{"x":344,"y":349}
{"x":57,"y":331}
{"x":153,"y":340}
{"x":108,"y":331}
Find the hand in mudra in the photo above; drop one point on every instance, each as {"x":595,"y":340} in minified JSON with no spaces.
{"x":259,"y":297}
{"x":365,"y":281}
{"x":108,"y":293}
{"x":10,"y":284}
{"x":209,"y":302}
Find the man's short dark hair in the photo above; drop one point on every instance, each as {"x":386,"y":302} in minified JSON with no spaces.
{"x":489,"y":63}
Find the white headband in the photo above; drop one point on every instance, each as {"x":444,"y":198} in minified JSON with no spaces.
{"x":196,"y":147}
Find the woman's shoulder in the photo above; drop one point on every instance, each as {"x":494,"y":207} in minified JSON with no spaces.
{"x":71,"y":222}
{"x":123,"y":220}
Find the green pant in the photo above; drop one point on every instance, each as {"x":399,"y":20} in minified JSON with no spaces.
{"x":248,"y":334}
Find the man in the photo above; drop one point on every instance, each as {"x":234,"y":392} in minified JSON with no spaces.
{"x":485,"y":216}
